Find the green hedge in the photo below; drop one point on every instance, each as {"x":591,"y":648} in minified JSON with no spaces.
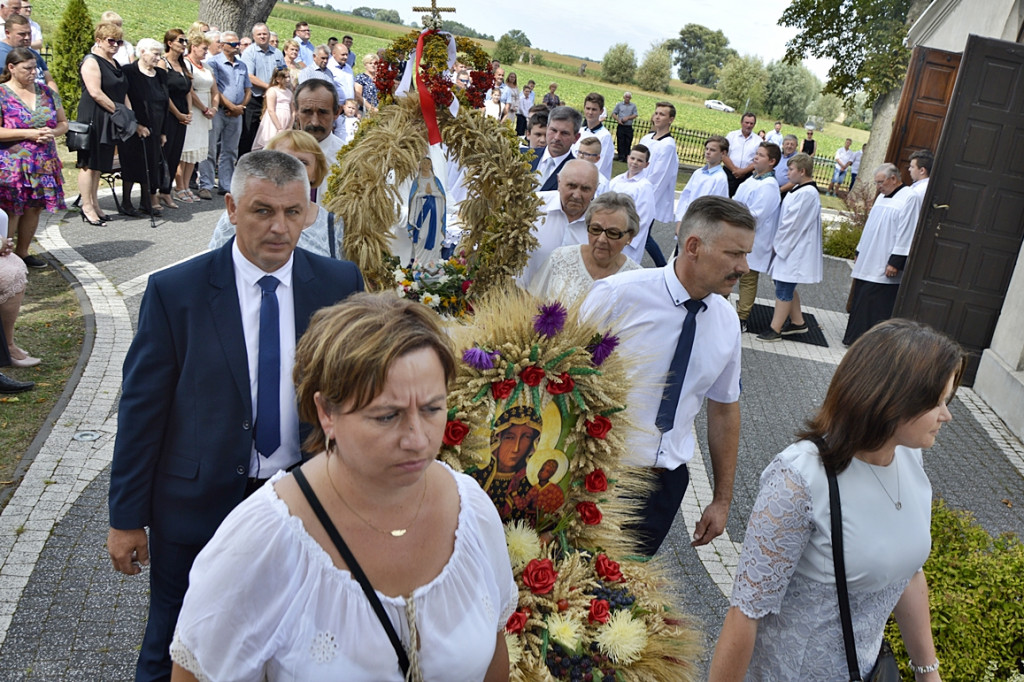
{"x":841,"y":241}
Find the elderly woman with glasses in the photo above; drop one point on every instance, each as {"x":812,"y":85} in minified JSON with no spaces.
{"x":105,"y":88}
{"x":612,"y":221}
{"x":366,"y":87}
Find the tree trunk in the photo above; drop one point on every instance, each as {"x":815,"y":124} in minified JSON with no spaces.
{"x":235,"y":15}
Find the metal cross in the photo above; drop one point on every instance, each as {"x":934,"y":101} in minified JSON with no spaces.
{"x":434,"y":9}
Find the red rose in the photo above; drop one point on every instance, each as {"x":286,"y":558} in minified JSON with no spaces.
{"x":503,"y":389}
{"x":532,"y":375}
{"x":454,"y":432}
{"x":599,"y":611}
{"x":465,"y":285}
{"x":563,"y":604}
{"x":563,"y":384}
{"x":589,"y":513}
{"x":608,"y":569}
{"x":539,"y":575}
{"x":599,"y":426}
{"x":596,"y":481}
{"x":516,"y":622}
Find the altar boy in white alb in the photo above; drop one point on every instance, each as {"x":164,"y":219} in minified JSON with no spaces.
{"x":633,"y":184}
{"x":664,"y":162}
{"x":709,"y":181}
{"x":760,"y":194}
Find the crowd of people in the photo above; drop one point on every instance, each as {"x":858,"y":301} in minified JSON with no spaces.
{"x":209,"y":451}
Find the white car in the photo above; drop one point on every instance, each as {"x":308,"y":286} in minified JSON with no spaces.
{"x":716,"y":104}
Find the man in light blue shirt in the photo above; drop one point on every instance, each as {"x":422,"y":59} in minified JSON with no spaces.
{"x":306,"y":47}
{"x":262,"y":59}
{"x":317,"y":68}
{"x":235,"y":92}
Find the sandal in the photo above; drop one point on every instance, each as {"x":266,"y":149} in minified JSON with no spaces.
{"x":192,"y":196}
{"x":183,"y":196}
{"x":166,"y":201}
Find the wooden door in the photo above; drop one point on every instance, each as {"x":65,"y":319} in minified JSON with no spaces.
{"x":972,"y":221}
{"x":923,"y":105}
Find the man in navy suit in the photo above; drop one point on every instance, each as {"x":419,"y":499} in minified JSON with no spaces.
{"x":207,"y":409}
{"x":562,"y":132}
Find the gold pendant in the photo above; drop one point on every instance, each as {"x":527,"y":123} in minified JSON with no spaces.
{"x":398,"y":533}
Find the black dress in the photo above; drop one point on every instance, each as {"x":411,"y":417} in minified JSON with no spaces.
{"x":178,"y":87}
{"x":149,"y":97}
{"x":100,"y":156}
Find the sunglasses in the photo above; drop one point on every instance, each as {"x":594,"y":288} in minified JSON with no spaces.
{"x":115,"y":43}
{"x":183,"y":41}
{"x":609,"y":232}
{"x":234,"y":44}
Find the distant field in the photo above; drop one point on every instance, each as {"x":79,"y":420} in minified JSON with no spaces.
{"x":152,"y":19}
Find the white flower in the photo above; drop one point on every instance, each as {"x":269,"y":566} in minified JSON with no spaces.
{"x":415,"y":286}
{"x":563,"y":630}
{"x":523,"y":543}
{"x":622,"y":639}
{"x":400,"y":290}
{"x":399,"y":275}
{"x":443,"y":278}
{"x":430,"y":299}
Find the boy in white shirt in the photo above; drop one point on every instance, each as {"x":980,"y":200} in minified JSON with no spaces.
{"x":760,"y":194}
{"x":347,"y":130}
{"x":593,"y":105}
{"x":589,"y":149}
{"x":707,"y":181}
{"x":633,"y":184}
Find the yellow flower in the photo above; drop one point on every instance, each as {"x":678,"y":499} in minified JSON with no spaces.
{"x":431,"y":300}
{"x":622,"y":639}
{"x":565,"y":631}
{"x":523,"y":543}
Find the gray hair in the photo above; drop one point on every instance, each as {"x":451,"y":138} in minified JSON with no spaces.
{"x":889,"y":169}
{"x":110,"y":15}
{"x":257,"y":25}
{"x":276,"y":167}
{"x":212,"y":36}
{"x":149,"y":45}
{"x":225,"y":34}
{"x":322,"y":49}
{"x":273,"y":35}
{"x":705,"y":216}
{"x":615,"y":202}
{"x":564,"y":113}
{"x":790,"y":136}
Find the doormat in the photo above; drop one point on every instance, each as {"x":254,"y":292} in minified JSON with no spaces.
{"x":761,"y":318}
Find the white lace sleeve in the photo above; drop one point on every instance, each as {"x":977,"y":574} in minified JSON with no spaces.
{"x":777,"y":533}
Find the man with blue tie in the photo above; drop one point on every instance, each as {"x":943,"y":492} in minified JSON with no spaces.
{"x":207,"y":409}
{"x":563,"y":131}
{"x":687,"y":337}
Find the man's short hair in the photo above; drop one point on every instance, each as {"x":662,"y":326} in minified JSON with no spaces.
{"x":777,"y":123}
{"x":109,"y":15}
{"x":666,"y":105}
{"x":643,"y":150}
{"x":276,"y":167}
{"x":595,"y":97}
{"x":212,"y":36}
{"x":774,"y":153}
{"x":613,"y":202}
{"x":564,"y":113}
{"x":722,"y":142}
{"x":314,"y":84}
{"x":706,"y":214}
{"x":322,"y":49}
{"x":18,"y":20}
{"x":790,"y":136}
{"x":749,"y":114}
{"x":539,"y":118}
{"x":590,"y":142}
{"x":346,"y":38}
{"x":301,"y":24}
{"x":258,"y":24}
{"x":924,"y":158}
{"x":802,"y":162}
{"x":889,"y":169}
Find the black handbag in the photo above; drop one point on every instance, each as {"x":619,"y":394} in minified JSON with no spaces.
{"x":886,"y":669}
{"x":77,"y":137}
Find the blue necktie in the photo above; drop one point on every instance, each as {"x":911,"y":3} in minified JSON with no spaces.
{"x":677,"y":370}
{"x":268,"y":368}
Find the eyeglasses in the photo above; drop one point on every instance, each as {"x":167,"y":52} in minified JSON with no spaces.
{"x":588,"y":155}
{"x":609,"y":232}
{"x":234,"y":44}
{"x":115,"y":43}
{"x":183,"y":40}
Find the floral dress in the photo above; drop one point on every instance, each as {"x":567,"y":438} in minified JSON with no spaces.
{"x":369,"y":88}
{"x":31,"y":171}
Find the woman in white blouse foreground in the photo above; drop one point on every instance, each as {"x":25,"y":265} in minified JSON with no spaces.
{"x":569,"y":271}
{"x":270,"y":597}
{"x":887,"y":401}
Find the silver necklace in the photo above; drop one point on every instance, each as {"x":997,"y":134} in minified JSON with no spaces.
{"x":896,"y":503}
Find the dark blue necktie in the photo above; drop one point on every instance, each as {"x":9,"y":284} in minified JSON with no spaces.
{"x":677,"y":370}
{"x":268,"y":371}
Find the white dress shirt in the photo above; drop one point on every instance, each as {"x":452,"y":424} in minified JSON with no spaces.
{"x":797,"y":240}
{"x":344,"y":81}
{"x":548,"y":164}
{"x":551,"y":231}
{"x":888,"y":231}
{"x":646,"y":307}
{"x":639,"y":189}
{"x":330,"y":146}
{"x":247,"y":277}
{"x":604,"y":166}
{"x":703,"y":183}
{"x":760,"y":194}
{"x":742,"y":149}
{"x":662,"y":172}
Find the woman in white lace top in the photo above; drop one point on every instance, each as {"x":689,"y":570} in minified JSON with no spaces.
{"x":271,"y":596}
{"x":886,"y":402}
{"x":569,"y":271}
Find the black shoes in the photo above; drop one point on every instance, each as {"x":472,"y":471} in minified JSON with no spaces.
{"x":9,"y":385}
{"x":789,"y":328}
{"x":34,"y":262}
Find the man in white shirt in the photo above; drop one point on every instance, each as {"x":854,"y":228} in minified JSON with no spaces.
{"x":921,"y":170}
{"x":7,"y":8}
{"x":663,"y":168}
{"x":843,"y":157}
{"x":775,"y":136}
{"x":526,"y":99}
{"x":316,"y":109}
{"x":344,"y":81}
{"x":662,"y":311}
{"x":855,"y":164}
{"x":710,"y":180}
{"x":739,"y":164}
{"x":302,"y":33}
{"x":562,"y":132}
{"x":563,"y":210}
{"x":882,"y":252}
{"x":593,"y":105}
{"x":760,"y":194}
{"x":633,"y":184}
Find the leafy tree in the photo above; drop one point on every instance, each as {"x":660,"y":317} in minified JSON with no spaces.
{"x":826,"y":108}
{"x":388,"y":15}
{"x":365,"y":12}
{"x":619,"y":64}
{"x":858,"y":112}
{"x":519,"y":37}
{"x":742,"y":82}
{"x":789,"y":91}
{"x":655,"y":72}
{"x":507,"y":51}
{"x":700,"y":53}
{"x":872,"y":60}
{"x":459,"y":29}
{"x":72,"y":42}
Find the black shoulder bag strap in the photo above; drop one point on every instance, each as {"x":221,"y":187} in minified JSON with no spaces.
{"x":838,"y":562}
{"x":331,"y":240}
{"x":353,"y":567}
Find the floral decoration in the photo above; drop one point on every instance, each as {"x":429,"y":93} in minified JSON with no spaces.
{"x":437,"y":284}
{"x":540,"y":575}
{"x":454,"y":432}
{"x":434,"y":69}
{"x":599,"y":426}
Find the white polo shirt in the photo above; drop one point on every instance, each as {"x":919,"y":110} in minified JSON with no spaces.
{"x":646,"y":310}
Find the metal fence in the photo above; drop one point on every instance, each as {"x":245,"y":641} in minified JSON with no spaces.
{"x":690,"y":146}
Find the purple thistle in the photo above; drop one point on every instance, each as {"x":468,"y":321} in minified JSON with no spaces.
{"x":550,"y":320}
{"x":478,"y":358}
{"x":603,"y":348}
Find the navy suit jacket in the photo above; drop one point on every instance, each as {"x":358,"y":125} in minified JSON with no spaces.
{"x":552,"y":181}
{"x":184,"y":436}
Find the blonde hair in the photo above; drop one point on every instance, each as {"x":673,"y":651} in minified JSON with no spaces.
{"x":301,"y":141}
{"x":107,"y":29}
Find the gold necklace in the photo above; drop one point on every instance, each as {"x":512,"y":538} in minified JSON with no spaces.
{"x":396,"y":533}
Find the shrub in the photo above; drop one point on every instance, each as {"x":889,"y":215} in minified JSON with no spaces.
{"x":72,"y":42}
{"x":841,"y":241}
{"x":656,"y":71}
{"x":976,"y":590}
{"x":619,"y":64}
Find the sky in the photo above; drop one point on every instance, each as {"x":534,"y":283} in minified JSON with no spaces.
{"x":589,"y":29}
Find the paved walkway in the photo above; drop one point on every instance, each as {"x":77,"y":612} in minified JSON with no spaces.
{"x":66,"y":615}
